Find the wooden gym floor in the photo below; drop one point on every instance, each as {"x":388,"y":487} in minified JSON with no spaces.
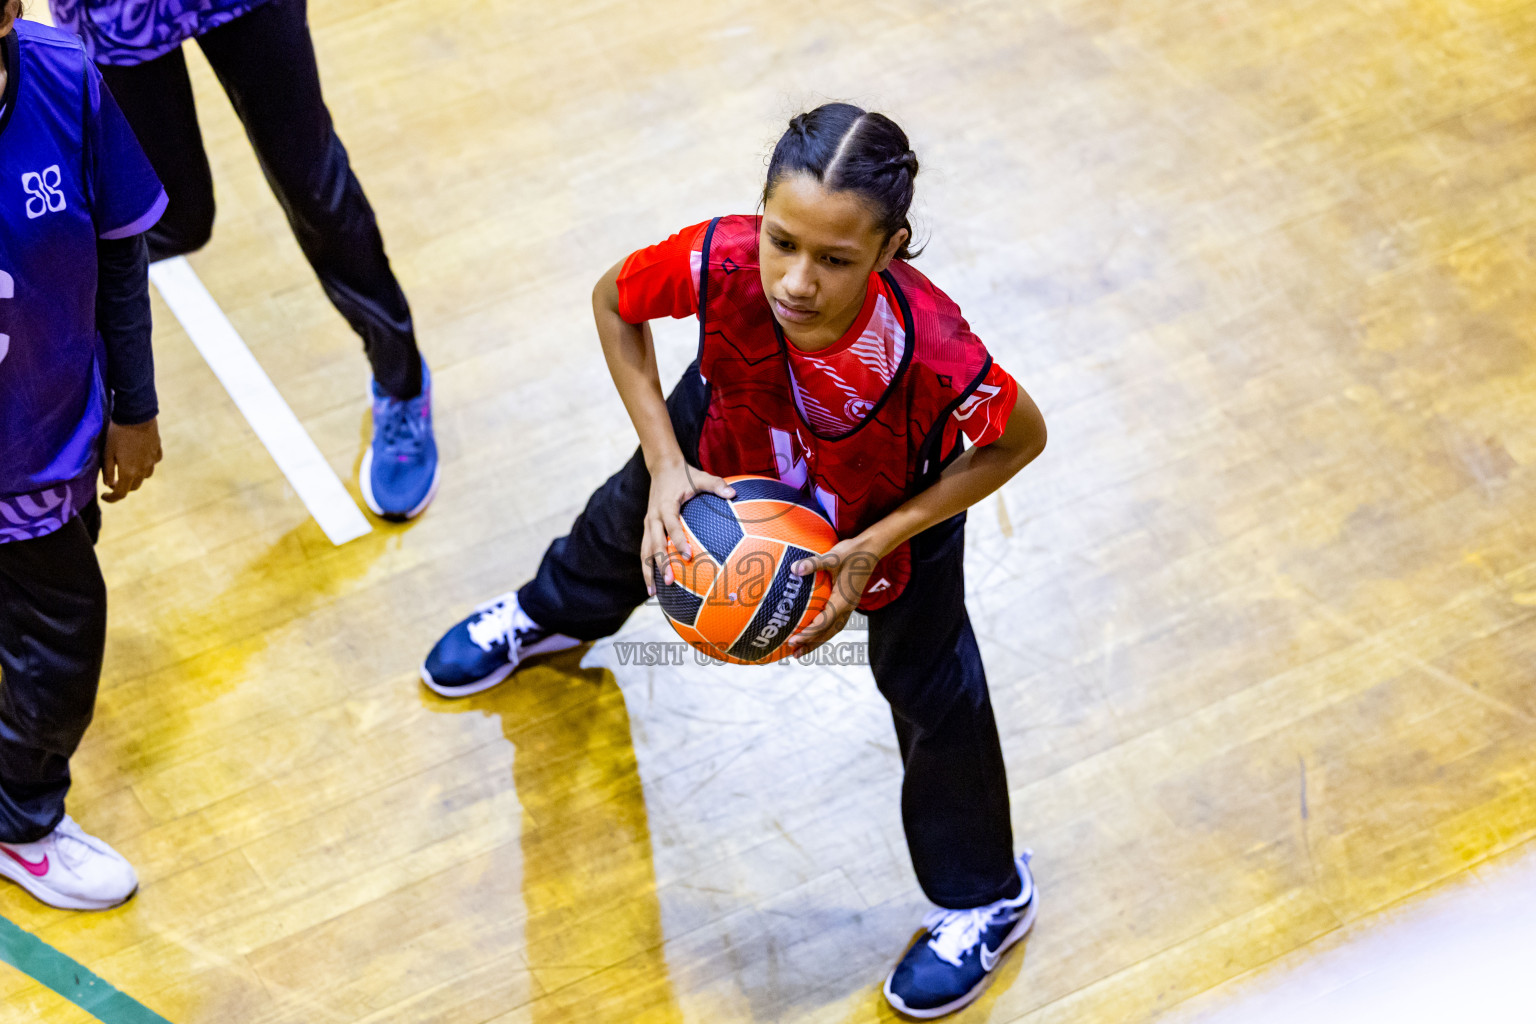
{"x":1260,"y":624}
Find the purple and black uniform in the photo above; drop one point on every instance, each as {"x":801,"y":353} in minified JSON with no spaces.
{"x":134,"y":31}
{"x":70,"y":174}
{"x":261,"y":52}
{"x":76,"y":194}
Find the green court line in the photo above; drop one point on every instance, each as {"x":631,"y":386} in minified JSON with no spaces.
{"x":35,"y":958}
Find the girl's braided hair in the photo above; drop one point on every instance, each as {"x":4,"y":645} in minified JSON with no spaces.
{"x":849,"y":149}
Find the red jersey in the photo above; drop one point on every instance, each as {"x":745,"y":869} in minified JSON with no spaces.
{"x":866,"y":422}
{"x":834,"y":387}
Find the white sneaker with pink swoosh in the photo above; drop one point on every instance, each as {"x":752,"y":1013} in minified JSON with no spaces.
{"x":69,"y":869}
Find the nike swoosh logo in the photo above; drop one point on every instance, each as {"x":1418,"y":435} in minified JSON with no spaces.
{"x":41,"y":867}
{"x":989,"y":957}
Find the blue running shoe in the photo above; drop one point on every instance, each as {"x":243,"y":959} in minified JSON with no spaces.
{"x":950,"y":965}
{"x":399,"y":472}
{"x":483,"y":649}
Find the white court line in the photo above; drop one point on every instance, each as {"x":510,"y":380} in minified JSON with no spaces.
{"x":256,"y":397}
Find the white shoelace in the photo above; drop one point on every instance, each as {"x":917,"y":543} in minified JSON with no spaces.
{"x":67,"y":829}
{"x":956,"y":932}
{"x":496,"y":623}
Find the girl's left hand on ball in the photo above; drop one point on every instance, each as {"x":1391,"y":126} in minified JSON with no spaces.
{"x":850,"y":564}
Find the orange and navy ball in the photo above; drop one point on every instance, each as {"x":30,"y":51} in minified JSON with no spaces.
{"x":736,"y":598}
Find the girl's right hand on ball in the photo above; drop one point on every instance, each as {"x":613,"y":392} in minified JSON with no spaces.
{"x":671,"y":485}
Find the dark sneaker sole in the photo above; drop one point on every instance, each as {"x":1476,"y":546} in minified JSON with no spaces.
{"x":1020,"y":930}
{"x":549,"y":645}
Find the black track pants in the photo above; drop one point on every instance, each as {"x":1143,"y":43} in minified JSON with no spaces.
{"x":266,"y":63}
{"x":954,"y":800}
{"x":53,"y":626}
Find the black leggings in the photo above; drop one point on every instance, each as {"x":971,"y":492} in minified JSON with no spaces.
{"x":266,"y":63}
{"x":53,"y":627}
{"x":954,"y":797}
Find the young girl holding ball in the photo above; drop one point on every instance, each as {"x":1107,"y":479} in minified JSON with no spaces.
{"x":828,"y":361}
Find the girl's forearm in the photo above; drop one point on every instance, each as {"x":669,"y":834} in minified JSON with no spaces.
{"x":970,"y":478}
{"x":122,"y":318}
{"x":631,"y":358}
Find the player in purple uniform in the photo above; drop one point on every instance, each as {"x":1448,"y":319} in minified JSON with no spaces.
{"x":77,"y":397}
{"x":262,"y":54}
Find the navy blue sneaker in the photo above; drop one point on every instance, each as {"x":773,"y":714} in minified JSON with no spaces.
{"x":399,"y":471}
{"x":950,"y":965}
{"x":483,"y":649}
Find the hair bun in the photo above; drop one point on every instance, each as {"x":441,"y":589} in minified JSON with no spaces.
{"x":906,"y":161}
{"x":847,"y":148}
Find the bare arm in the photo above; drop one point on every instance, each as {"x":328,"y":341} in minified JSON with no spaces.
{"x":631,"y":357}
{"x":970,"y":478}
